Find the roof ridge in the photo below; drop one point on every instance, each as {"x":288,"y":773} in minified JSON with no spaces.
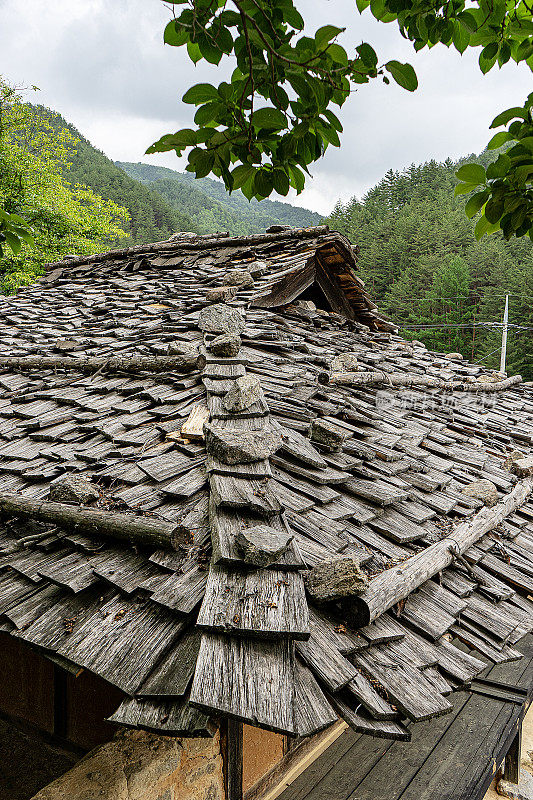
{"x":254,"y":590}
{"x":200,"y":242}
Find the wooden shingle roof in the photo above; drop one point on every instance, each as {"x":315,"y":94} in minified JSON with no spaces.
{"x":345,"y":467}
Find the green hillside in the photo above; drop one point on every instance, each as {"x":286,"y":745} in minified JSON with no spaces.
{"x":212,"y":208}
{"x":421,"y":262}
{"x":152,"y":219}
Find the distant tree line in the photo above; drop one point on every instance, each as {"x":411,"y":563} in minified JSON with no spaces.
{"x":420,"y":259}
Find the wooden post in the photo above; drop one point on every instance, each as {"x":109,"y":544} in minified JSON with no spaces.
{"x":234,"y":760}
{"x":392,"y":585}
{"x":511,"y":771}
{"x":60,"y":703}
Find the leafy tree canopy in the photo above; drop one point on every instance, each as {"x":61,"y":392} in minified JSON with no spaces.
{"x":262,"y":130}
{"x":43,"y":216}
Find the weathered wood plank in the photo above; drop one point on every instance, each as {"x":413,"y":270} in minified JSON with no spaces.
{"x":325,"y":661}
{"x":222,"y":682}
{"x":313,"y":712}
{"x":182,"y":592}
{"x":122,"y":641}
{"x":381,"y":729}
{"x":193,"y":427}
{"x":365,"y":693}
{"x":172,"y":717}
{"x":265,"y":603}
{"x":379,"y":492}
{"x":405,"y":685}
{"x":171,"y":677}
{"x":229,"y":491}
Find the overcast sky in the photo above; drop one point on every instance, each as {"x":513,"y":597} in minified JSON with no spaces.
{"x":102,"y":64}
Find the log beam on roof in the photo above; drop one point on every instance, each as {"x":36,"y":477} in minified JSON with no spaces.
{"x":403,"y":380}
{"x":138,"y":529}
{"x":393,"y":585}
{"x":183,"y":362}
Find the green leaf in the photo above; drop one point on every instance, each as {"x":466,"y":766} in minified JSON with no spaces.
{"x":381,"y":11}
{"x":498,"y":140}
{"x":333,"y":120}
{"x":194,"y":52}
{"x":174,"y":34}
{"x":461,"y":38}
{"x":13,"y":241}
{"x":487,"y":57}
{"x":507,"y":116}
{"x":201,"y":162}
{"x":269,"y":118}
{"x":328,"y":133}
{"x":500,"y":167}
{"x":476,"y":202}
{"x":263,"y":182}
{"x":468,"y":21}
{"x":494,"y":210}
{"x":527,"y":142}
{"x":241,"y":174}
{"x":403,"y":74}
{"x":464,"y":188}
{"x":200,"y":93}
{"x":368,"y":54}
{"x":504,"y":53}
{"x":522,"y":173}
{"x":297,"y":179}
{"x":490,"y":51}
{"x":174,"y":141}
{"x":210,"y":52}
{"x":471,"y":173}
{"x":326,"y":34}
{"x":290,"y":14}
{"x":281,"y":181}
{"x":362,"y":4}
{"x":338,"y":54}
{"x":209,"y":112}
{"x":483,"y":226}
{"x":25,"y":235}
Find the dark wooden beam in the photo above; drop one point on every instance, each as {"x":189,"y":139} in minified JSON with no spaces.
{"x":234,"y":760}
{"x":60,"y":703}
{"x":511,"y":770}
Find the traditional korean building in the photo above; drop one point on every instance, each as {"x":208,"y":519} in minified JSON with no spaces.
{"x":252,"y":540}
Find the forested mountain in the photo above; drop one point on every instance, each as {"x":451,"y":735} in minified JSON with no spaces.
{"x":421,"y":262}
{"x":212,"y":208}
{"x":151,"y":218}
{"x":161,"y":201}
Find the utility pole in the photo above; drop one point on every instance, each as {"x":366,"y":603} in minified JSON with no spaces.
{"x":504,"y":334}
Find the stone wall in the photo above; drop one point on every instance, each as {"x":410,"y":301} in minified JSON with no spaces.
{"x":137,"y":765}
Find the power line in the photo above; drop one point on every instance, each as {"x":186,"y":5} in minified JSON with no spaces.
{"x":498,"y":349}
{"x":463,"y":325}
{"x":456,"y":297}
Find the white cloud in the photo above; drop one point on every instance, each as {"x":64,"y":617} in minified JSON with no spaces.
{"x":104,"y":67}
